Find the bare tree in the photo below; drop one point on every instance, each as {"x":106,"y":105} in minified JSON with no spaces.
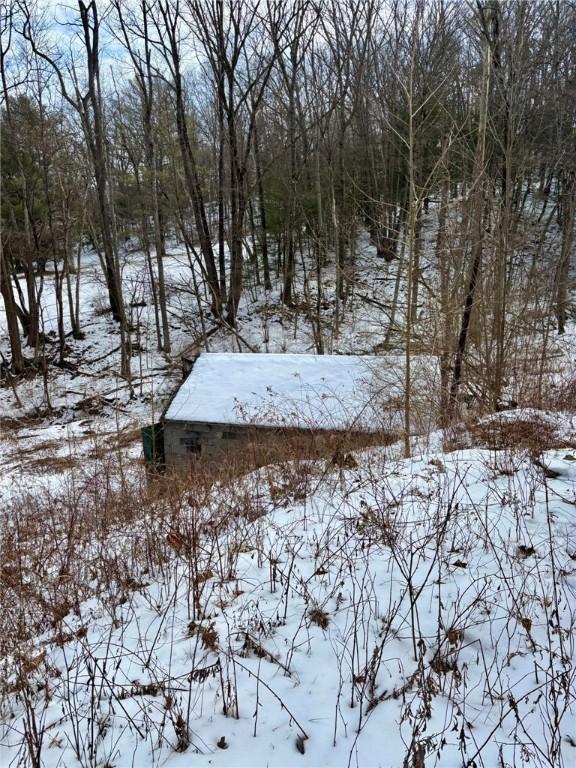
{"x":487,"y":17}
{"x":290,"y":43}
{"x":167,"y":19}
{"x":6,"y":287}
{"x":88,"y":104}
{"x":144,"y":75}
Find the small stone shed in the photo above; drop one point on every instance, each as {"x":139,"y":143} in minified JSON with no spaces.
{"x":229,"y":398}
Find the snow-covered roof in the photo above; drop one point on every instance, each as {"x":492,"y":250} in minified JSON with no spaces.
{"x":308,"y":391}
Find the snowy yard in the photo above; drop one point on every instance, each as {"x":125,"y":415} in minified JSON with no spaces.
{"x":343,"y":617}
{"x":354,"y":613}
{"x":87,"y":405}
{"x":287,"y":384}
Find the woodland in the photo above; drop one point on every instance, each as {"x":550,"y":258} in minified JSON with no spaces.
{"x":264,"y":137}
{"x":388,"y":179}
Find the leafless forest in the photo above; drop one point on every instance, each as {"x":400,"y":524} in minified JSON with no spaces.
{"x":393,"y":178}
{"x":264,"y":136}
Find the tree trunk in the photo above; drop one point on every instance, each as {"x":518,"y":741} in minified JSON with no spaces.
{"x":194,"y":190}
{"x":289,"y":256}
{"x":11,"y":316}
{"x":477,"y":228}
{"x":261,"y":208}
{"x":568,"y":199}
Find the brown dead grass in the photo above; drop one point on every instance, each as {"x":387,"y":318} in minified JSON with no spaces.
{"x":124,"y":438}
{"x":15,"y":423}
{"x":534,"y":435}
{"x":53,"y":465}
{"x":565,"y":396}
{"x":60,"y":548}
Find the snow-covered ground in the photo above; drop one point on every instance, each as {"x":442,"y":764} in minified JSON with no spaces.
{"x":88,"y":404}
{"x":88,"y":401}
{"x":353,"y":617}
{"x":357,"y":612}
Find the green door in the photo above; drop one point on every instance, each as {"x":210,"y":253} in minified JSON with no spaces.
{"x":153,"y":444}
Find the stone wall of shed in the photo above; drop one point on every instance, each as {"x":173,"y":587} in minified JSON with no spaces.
{"x":186,"y":442}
